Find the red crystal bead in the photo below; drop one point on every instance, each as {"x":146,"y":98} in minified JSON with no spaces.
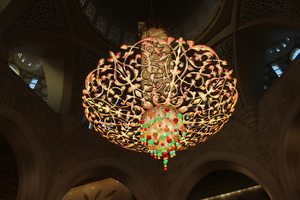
{"x":167,"y":109}
{"x":175,"y":120}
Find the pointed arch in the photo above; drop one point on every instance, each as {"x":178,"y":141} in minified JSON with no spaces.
{"x":27,"y":152}
{"x":106,"y":168}
{"x":213,"y":161}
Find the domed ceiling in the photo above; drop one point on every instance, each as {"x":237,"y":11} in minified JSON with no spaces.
{"x":129,"y":12}
{"x":117,"y":18}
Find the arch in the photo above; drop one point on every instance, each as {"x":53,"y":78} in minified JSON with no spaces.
{"x":251,"y":43}
{"x":27,"y":153}
{"x":104,"y":167}
{"x":51,"y":53}
{"x":289,"y":152}
{"x":213,"y":161}
{"x":228,"y":185}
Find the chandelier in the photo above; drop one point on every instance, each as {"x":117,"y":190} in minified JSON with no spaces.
{"x":160,"y":95}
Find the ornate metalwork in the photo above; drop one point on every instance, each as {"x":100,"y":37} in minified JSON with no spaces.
{"x":160,"y":96}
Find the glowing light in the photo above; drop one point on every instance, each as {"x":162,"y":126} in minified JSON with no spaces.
{"x":277,"y":69}
{"x":33,"y":83}
{"x":294,"y":54}
{"x":234,"y":192}
{"x":160,"y":95}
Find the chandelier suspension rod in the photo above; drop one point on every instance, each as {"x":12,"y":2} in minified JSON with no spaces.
{"x":151,"y":6}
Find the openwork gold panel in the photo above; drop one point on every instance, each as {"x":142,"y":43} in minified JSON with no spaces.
{"x":160,"y":96}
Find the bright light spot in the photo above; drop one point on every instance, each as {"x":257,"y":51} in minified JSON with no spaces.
{"x":294,"y":54}
{"x":283,"y":44}
{"x":34,"y":80}
{"x":91,"y":126}
{"x":233,"y":193}
{"x":33,"y":83}
{"x":14,"y":68}
{"x":277,"y":69}
{"x":277,"y":49}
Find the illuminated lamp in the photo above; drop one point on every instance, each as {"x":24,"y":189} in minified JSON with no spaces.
{"x":160,"y":95}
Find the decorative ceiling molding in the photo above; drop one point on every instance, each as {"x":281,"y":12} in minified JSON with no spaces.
{"x":253,"y":10}
{"x":40,"y":16}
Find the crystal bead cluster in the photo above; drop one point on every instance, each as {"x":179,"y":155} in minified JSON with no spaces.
{"x":161,"y":129}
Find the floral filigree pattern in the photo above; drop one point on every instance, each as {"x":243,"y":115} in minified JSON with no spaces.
{"x":177,"y":74}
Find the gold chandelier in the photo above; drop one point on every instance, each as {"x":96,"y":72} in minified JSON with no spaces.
{"x":160,"y":95}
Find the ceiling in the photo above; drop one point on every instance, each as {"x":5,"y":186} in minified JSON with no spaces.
{"x":173,"y":12}
{"x":126,"y":14}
